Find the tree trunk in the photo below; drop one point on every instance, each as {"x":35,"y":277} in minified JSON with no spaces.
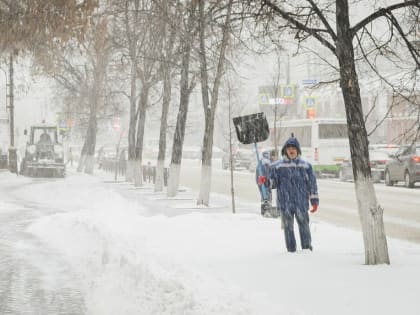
{"x":88,"y":151}
{"x":181,"y":120}
{"x":138,"y":169}
{"x":167,"y":54}
{"x":210,"y":108}
{"x":129,"y":174}
{"x":163,"y":128}
{"x":82,"y":158}
{"x":185,"y":92}
{"x":370,"y":212}
{"x":87,"y":158}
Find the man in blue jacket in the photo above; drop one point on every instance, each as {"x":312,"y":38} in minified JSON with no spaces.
{"x":296,"y":186}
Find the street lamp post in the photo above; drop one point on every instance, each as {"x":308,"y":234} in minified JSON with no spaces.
{"x":5,"y":94}
{"x":12,"y":149}
{"x":4,"y":154}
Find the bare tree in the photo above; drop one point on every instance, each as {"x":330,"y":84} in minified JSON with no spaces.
{"x":141,"y":44}
{"x":24,"y":24}
{"x":169,"y":30}
{"x":81,"y":70}
{"x":98,"y":54}
{"x":312,"y":20}
{"x":187,"y":38}
{"x":210,"y":103}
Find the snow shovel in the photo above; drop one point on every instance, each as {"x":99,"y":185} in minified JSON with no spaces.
{"x":253,"y":129}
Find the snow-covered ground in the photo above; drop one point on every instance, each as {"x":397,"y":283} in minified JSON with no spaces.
{"x":136,"y":252}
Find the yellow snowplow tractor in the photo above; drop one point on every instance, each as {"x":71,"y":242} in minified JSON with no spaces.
{"x":44,"y":156}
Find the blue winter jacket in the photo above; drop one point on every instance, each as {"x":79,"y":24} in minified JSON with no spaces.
{"x":265,"y":166}
{"x":295,"y":181}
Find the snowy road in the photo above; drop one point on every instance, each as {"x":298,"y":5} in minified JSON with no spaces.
{"x":337,"y":200}
{"x":33,"y":279}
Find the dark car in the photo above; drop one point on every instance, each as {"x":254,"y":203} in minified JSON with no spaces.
{"x":378,"y":160}
{"x":404,"y":166}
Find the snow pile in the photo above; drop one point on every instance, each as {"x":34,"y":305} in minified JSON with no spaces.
{"x":123,"y":256}
{"x":132,"y":259}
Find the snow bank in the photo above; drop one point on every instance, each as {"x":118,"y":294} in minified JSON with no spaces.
{"x":212,"y":263}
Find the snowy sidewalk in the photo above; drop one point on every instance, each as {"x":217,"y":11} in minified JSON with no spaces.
{"x":139,"y":253}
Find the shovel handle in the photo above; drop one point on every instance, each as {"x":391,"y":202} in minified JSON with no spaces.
{"x":259,"y":172}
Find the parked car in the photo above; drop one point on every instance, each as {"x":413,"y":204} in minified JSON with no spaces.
{"x":377,"y":161}
{"x":404,"y":166}
{"x":241,"y":158}
{"x":388,"y":148}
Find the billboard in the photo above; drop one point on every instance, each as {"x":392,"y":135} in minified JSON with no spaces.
{"x":276,"y":95}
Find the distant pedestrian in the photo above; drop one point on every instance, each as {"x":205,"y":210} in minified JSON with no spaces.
{"x":266,"y":199}
{"x":296,"y":187}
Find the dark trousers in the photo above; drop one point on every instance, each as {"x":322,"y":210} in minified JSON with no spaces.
{"x":302,"y":218}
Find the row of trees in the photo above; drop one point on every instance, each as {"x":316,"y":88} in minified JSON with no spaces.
{"x":105,"y":51}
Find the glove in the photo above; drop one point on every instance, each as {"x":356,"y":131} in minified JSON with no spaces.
{"x":314,"y":208}
{"x":261,"y":180}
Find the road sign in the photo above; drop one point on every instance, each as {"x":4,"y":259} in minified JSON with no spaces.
{"x":276,"y":95}
{"x":63,"y":124}
{"x":288,"y":91}
{"x":310,"y":102}
{"x":309,"y":81}
{"x":280,"y":101}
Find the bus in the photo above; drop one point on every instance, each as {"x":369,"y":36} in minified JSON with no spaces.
{"x":324,"y":141}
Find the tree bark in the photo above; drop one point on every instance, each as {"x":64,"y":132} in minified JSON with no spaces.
{"x":99,"y":54}
{"x":179,"y":134}
{"x":129,"y":175}
{"x":185,"y":92}
{"x":370,"y":212}
{"x":168,"y":39}
{"x":163,"y":127}
{"x":86,"y":161}
{"x":210,"y":106}
{"x":138,"y":169}
{"x":88,"y":152}
{"x":131,"y":19}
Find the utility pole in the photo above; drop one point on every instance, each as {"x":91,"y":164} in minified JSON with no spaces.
{"x":12,"y":149}
{"x":232,"y":186}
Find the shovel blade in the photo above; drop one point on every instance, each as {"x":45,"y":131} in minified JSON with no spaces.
{"x":251,"y":128}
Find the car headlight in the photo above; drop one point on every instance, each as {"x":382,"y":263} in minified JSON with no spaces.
{"x":31,"y":149}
